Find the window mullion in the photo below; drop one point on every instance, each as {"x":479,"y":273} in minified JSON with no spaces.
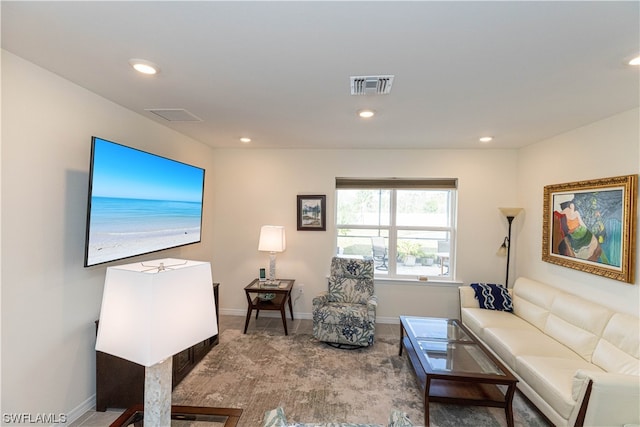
{"x":393,"y":235}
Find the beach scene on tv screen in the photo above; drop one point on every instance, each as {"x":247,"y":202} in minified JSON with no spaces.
{"x":141,"y":203}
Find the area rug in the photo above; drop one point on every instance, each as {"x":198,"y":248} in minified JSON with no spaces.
{"x":314,"y":382}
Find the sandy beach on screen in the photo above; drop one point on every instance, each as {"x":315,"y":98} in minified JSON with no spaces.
{"x":118,"y":247}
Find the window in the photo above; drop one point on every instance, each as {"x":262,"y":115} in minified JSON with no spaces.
{"x":406,"y":226}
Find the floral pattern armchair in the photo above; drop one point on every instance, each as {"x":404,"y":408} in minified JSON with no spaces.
{"x":346,"y":314}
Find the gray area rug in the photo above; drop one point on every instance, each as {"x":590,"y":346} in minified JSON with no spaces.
{"x":314,"y":382}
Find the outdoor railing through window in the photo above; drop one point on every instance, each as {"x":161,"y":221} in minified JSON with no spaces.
{"x":406,"y":225}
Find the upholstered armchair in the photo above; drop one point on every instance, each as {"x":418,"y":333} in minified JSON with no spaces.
{"x":345,"y":315}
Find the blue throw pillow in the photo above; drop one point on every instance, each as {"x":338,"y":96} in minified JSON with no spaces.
{"x":493,"y":297}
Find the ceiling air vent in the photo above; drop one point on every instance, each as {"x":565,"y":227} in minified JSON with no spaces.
{"x":174,"y":114}
{"x":371,"y":85}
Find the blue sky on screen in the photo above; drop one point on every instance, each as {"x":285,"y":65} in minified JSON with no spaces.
{"x":124,"y":172}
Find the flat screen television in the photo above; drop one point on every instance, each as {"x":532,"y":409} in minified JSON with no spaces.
{"x":139,"y":203}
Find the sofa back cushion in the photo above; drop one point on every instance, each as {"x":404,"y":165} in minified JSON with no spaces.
{"x":577,"y":323}
{"x":532,"y":301}
{"x":618,"y":350}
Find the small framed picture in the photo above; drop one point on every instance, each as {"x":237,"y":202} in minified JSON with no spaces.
{"x":312,"y":213}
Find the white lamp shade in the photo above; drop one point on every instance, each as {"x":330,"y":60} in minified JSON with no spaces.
{"x":149,"y":315}
{"x":272,"y":239}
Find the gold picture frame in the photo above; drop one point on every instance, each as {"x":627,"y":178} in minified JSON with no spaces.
{"x":591,"y":226}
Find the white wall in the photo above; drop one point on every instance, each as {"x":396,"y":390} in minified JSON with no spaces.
{"x":607,"y":148}
{"x":49,"y":301}
{"x":256,"y":187}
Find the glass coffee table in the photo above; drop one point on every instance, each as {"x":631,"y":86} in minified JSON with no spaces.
{"x":453,"y":367}
{"x":184,"y":416}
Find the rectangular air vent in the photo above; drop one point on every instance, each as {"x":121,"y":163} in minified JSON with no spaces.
{"x":174,"y":114}
{"x":371,"y":85}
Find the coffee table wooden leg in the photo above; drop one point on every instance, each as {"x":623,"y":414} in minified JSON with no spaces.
{"x":508,"y":401}
{"x":426,"y":402}
{"x":401,"y":336}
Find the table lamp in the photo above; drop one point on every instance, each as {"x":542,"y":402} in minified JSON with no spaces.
{"x":272,"y":240}
{"x":151,"y":311}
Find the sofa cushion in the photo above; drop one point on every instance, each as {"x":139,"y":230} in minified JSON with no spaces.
{"x":492,"y":297}
{"x":577,"y":323}
{"x":477,"y":320}
{"x":618,"y":350}
{"x":337,"y":313}
{"x":511,"y":343}
{"x":552,"y":378}
{"x":532,"y":301}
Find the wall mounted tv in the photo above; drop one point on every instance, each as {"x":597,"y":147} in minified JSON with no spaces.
{"x":139,"y":203}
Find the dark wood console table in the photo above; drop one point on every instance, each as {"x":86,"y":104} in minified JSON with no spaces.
{"x":120,"y":383}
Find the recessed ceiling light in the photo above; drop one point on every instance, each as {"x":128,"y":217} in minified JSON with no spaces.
{"x":366,"y":114}
{"x":145,"y":67}
{"x":635,"y":61}
{"x":245,"y":140}
{"x":486,"y":139}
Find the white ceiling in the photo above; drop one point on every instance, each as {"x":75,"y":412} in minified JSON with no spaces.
{"x":278,"y":72}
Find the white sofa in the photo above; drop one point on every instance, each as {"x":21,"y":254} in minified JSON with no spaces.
{"x":576,"y":360}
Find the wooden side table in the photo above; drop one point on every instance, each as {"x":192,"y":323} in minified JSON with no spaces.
{"x":280,"y":297}
{"x":198,"y":415}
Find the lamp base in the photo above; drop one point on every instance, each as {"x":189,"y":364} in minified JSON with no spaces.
{"x":272,"y":266}
{"x":157,"y":393}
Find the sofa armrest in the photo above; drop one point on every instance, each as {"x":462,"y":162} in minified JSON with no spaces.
{"x":468,"y":297}
{"x":372,"y":304}
{"x":607,"y":399}
{"x":320,"y":299}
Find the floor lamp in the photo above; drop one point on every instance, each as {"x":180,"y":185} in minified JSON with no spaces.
{"x":151,"y":311}
{"x":505,"y":248}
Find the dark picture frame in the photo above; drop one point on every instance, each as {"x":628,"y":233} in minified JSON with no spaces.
{"x":591,"y":226}
{"x":312,"y":213}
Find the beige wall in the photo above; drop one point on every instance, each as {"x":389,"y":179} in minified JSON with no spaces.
{"x":49,"y":300}
{"x":607,"y":148}
{"x":256,"y":187}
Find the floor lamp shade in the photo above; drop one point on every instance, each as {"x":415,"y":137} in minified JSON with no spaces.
{"x":155,"y":309}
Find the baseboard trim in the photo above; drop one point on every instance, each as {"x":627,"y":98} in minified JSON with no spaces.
{"x":79,"y":411}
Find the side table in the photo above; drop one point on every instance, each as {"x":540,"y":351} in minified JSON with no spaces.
{"x":280,"y":296}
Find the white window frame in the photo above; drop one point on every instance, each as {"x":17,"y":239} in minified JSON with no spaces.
{"x":394,"y":184}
